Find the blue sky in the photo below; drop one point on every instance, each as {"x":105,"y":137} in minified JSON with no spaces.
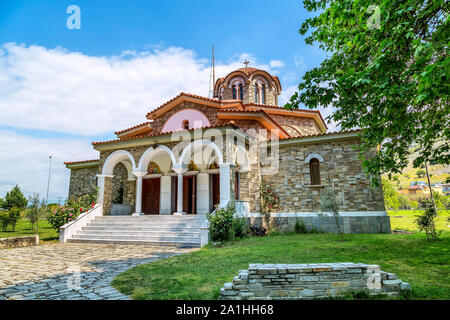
{"x":61,"y":89}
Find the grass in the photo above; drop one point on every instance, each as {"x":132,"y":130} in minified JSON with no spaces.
{"x":23,"y":228}
{"x":404,"y":219}
{"x":201,"y":274}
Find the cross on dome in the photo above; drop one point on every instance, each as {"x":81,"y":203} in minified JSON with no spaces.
{"x":246,"y":62}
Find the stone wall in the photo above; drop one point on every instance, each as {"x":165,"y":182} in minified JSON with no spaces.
{"x":340,"y":171}
{"x":17,"y":242}
{"x":306,"y":126}
{"x":362,"y":223}
{"x":310,"y":281}
{"x":82,"y":180}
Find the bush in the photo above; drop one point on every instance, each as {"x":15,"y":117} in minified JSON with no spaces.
{"x":257,"y":231}
{"x":300,"y":226}
{"x":240,"y":229}
{"x":221,"y":224}
{"x":425,"y":221}
{"x":9,"y":218}
{"x":72,"y":209}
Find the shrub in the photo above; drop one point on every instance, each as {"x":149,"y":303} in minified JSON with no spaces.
{"x":13,"y":216}
{"x":221,"y":224}
{"x":300,"y":226}
{"x":240,"y":229}
{"x":9,"y":218}
{"x":425,"y":221}
{"x":268,"y":202}
{"x":72,"y":209}
{"x":257,"y":231}
{"x":4,"y":220}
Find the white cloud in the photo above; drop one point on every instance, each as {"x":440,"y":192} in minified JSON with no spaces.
{"x":299,"y":61}
{"x":25,"y":162}
{"x":58,"y":90}
{"x":276,"y":64}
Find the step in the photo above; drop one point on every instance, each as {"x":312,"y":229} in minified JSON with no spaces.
{"x":180,"y":244}
{"x":139,"y":234}
{"x":140,"y":228}
{"x":184,"y":218}
{"x":131,"y":237}
{"x":145,"y":226}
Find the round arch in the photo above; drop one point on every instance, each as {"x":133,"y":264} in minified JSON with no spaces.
{"x":241,"y":158}
{"x":313,"y":156}
{"x":151,"y":153}
{"x":198,"y":143}
{"x":116,"y":157}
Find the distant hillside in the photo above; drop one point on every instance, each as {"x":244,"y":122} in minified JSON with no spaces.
{"x":438,"y":174}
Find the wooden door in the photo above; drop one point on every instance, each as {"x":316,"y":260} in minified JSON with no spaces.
{"x":215,"y":190}
{"x":189,"y":194}
{"x":151,"y":189}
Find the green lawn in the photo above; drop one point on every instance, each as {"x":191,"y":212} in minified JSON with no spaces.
{"x":46,"y":232}
{"x":201,"y":274}
{"x":404,"y":219}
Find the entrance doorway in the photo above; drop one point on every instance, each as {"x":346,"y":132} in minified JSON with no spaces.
{"x":189,"y":194}
{"x":151,"y":189}
{"x":214,"y":190}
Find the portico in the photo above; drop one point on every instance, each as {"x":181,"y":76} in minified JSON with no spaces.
{"x":192,"y":183}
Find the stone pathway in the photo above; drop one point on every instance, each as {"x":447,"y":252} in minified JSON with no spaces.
{"x":72,"y":271}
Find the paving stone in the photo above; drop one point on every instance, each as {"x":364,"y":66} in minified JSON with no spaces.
{"x":45,"y":271}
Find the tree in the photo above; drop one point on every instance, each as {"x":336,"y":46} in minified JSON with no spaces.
{"x":15,"y":199}
{"x":387,"y":73}
{"x":329,"y":204}
{"x":447,"y":180}
{"x":420,"y":173}
{"x":34,"y":212}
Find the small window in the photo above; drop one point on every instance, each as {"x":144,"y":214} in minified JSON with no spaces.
{"x":234,"y":92}
{"x":256,"y":94}
{"x":241,"y":92}
{"x":237,"y":188}
{"x":263,"y":95}
{"x":314,"y":170}
{"x":186,"y":124}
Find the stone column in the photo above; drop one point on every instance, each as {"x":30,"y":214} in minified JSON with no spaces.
{"x":203,"y":193}
{"x":101,"y":186}
{"x":180,"y":170}
{"x":138,"y":206}
{"x":225,"y":184}
{"x":165,"y":197}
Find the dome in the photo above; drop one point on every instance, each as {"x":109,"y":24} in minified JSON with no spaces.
{"x":247,"y":80}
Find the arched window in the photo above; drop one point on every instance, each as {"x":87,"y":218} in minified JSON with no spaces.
{"x":314,"y":171}
{"x":153,"y":168}
{"x":186,"y":124}
{"x":263,"y":94}
{"x":234,"y":92}
{"x":256,"y":94}
{"x":241,"y":92}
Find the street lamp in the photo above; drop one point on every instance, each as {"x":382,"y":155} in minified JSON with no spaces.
{"x":48,"y":183}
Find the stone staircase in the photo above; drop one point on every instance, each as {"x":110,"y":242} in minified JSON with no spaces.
{"x":159,"y":230}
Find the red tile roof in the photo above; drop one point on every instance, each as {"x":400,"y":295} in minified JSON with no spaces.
{"x":220,"y":102}
{"x":81,"y":161}
{"x":134,"y":127}
{"x":325,"y":134}
{"x":161,"y":134}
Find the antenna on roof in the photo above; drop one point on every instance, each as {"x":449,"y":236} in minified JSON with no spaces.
{"x":212,"y":76}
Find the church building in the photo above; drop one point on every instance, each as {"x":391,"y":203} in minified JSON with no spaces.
{"x":194,"y":153}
